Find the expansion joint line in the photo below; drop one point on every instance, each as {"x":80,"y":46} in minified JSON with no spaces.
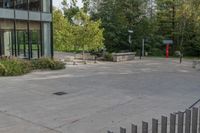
{"x":28,"y":121}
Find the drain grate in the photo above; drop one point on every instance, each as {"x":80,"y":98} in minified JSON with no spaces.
{"x":60,"y":93}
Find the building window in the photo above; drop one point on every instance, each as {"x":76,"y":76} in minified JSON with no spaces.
{"x":46,"y":6}
{"x":22,"y":45}
{"x":7,"y":4}
{"x":34,"y":5}
{"x":21,"y":4}
{"x":6,"y":37}
{"x":35,"y":39}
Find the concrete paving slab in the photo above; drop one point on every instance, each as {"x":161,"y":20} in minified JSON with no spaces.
{"x":99,"y":97}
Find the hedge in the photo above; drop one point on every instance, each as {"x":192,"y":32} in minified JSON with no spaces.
{"x":16,"y":67}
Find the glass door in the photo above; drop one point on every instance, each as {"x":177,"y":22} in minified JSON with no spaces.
{"x":22,"y":44}
{"x":35,"y":43}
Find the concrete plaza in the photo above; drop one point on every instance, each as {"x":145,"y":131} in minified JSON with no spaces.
{"x":99,"y":97}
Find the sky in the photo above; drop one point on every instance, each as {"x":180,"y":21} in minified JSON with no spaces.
{"x":57,"y":3}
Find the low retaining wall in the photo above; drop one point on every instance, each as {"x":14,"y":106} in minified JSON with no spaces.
{"x":196,"y":64}
{"x":120,"y":57}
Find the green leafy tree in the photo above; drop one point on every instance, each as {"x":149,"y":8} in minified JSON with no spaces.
{"x":178,"y":20}
{"x":120,"y":16}
{"x":70,"y":9}
{"x":63,"y":36}
{"x":88,"y":34}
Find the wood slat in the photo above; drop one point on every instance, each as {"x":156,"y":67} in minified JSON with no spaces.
{"x":144,"y":127}
{"x":163,"y":124}
{"x":199,"y":120}
{"x":172,"y":123}
{"x":180,"y":122}
{"x":187,"y":121}
{"x":194,"y":120}
{"x":133,"y":128}
{"x":154,"y":126}
{"x":122,"y":130}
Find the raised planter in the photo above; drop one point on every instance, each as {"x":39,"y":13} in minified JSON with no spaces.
{"x":120,"y":57}
{"x":196,"y":64}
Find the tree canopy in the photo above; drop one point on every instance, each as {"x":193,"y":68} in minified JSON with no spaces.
{"x":74,"y":29}
{"x":152,"y":20}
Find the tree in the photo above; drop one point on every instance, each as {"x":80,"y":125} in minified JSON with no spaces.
{"x":88,"y":34}
{"x":70,"y":9}
{"x":81,"y":33}
{"x":62,"y":32}
{"x":117,"y":18}
{"x":178,"y":20}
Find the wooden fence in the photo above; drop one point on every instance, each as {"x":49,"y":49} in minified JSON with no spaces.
{"x":181,"y":122}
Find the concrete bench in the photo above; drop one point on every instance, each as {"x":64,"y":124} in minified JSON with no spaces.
{"x":196,"y":64}
{"x":120,"y":57}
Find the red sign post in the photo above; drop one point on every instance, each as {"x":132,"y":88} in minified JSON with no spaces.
{"x":167,"y":51}
{"x":167,"y":43}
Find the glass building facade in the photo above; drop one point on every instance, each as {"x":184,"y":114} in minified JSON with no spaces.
{"x":26,"y":28}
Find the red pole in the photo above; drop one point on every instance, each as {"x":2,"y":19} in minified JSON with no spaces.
{"x":167,"y":51}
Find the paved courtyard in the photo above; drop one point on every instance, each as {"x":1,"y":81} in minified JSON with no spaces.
{"x":99,"y":97}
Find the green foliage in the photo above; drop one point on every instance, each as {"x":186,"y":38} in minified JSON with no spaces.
{"x":57,"y":65}
{"x":63,"y":35}
{"x":2,"y":70}
{"x":47,"y":63}
{"x":120,"y":16}
{"x":108,"y":57}
{"x":70,"y":9}
{"x":156,"y":52}
{"x":87,"y":33}
{"x":156,"y":20}
{"x":82,"y":33}
{"x":179,"y":20}
{"x":14,"y":67}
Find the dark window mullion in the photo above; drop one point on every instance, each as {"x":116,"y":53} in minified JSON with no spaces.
{"x":14,"y":49}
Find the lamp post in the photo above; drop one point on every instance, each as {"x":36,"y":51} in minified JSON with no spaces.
{"x":130,"y":39}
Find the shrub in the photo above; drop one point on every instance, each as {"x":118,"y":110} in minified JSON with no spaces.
{"x":2,"y":70}
{"x":156,"y":52}
{"x":47,"y":63}
{"x":57,"y":65}
{"x":108,"y":57}
{"x":14,"y":67}
{"x":42,"y":63}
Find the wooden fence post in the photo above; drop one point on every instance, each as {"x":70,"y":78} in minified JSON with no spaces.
{"x":180,"y":122}
{"x":199,"y":119}
{"x":172,"y":123}
{"x":187,"y":121}
{"x":154,"y":126}
{"x":163,"y":124}
{"x":144,"y":127}
{"x":133,"y":128}
{"x":122,"y":130}
{"x":194,"y":120}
